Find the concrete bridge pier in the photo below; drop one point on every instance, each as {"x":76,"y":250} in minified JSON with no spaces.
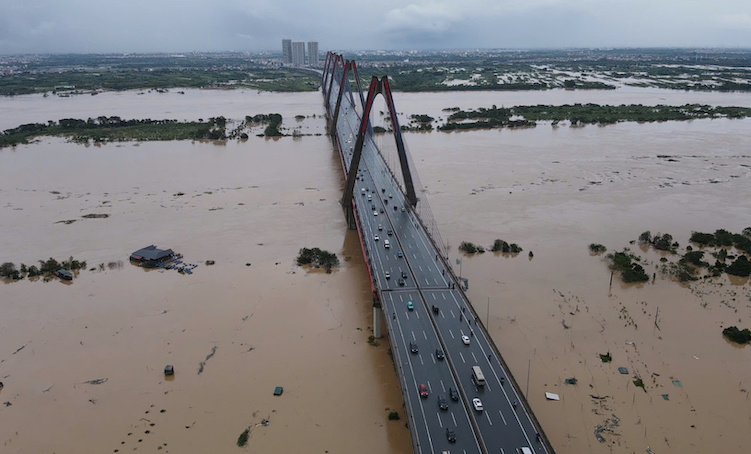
{"x":377,"y":319}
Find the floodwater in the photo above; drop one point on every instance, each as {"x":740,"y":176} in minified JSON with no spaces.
{"x":551,"y":190}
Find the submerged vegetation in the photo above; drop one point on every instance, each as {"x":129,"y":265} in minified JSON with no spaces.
{"x":317,"y":258}
{"x":719,"y":252}
{"x":737,"y":335}
{"x":498,"y":246}
{"x":114,"y":129}
{"x":582,"y":114}
{"x":46,"y":269}
{"x":626,"y":264}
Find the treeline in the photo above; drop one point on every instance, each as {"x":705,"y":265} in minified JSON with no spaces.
{"x":105,"y":129}
{"x":79,"y":81}
{"x":273,"y":122}
{"x":576,"y":114}
{"x":115,"y":129}
{"x":498,"y":246}
{"x":46,"y":268}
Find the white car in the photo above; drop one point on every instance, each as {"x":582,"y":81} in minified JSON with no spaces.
{"x":380,"y":227}
{"x":465,"y":339}
{"x":477,"y":403}
{"x":375,"y":213}
{"x":376,"y":238}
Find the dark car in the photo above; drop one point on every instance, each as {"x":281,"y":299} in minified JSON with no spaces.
{"x":372,"y":207}
{"x":450,"y":435}
{"x":413,"y":347}
{"x":453,"y":394}
{"x":435,"y":309}
{"x":443,"y":403}
{"x":390,"y":232}
{"x":404,"y":274}
{"x":423,"y":391}
{"x":439,"y":354}
{"x":401,"y":281}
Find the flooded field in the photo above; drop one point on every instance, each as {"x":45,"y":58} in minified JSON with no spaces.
{"x":254,"y":320}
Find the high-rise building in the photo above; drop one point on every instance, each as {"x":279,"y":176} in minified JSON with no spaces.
{"x":287,"y":50}
{"x":298,"y":53}
{"x":312,"y":53}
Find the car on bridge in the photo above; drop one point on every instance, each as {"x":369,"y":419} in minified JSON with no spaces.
{"x":423,"y":391}
{"x":413,"y":347}
{"x":398,"y":254}
{"x":439,"y":354}
{"x":450,"y":435}
{"x":387,"y":274}
{"x":443,"y":403}
{"x":410,"y":306}
{"x":465,"y":339}
{"x":401,"y":282}
{"x":380,"y":226}
{"x":453,"y":394}
{"x":376,"y":238}
{"x":477,"y":403}
{"x":375,"y":213}
{"x":389,"y":232}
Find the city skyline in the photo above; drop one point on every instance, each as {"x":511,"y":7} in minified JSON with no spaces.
{"x":88,"y":26}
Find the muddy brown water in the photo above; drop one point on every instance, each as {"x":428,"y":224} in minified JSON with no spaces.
{"x":551,"y":190}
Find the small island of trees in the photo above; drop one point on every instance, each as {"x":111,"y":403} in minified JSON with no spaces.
{"x":498,"y":246}
{"x":317,"y":258}
{"x":737,"y":335}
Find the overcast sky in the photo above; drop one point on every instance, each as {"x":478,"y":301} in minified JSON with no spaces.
{"x":80,"y":26}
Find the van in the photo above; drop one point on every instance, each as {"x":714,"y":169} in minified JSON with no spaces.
{"x":386,"y":244}
{"x":478,"y":377}
{"x":524,"y":450}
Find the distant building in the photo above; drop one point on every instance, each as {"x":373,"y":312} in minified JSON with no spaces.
{"x":287,"y":50}
{"x":312,"y":53}
{"x":298,"y":53}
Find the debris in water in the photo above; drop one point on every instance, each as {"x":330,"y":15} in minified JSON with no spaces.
{"x":97,"y":381}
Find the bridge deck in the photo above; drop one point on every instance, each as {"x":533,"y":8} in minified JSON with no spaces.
{"x":380,"y":206}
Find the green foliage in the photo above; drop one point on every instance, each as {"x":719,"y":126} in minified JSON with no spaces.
{"x":695,"y":258}
{"x":597,"y":248}
{"x":502,"y":246}
{"x":421,"y":118}
{"x":606,"y":358}
{"x":736,"y":335}
{"x":740,"y":267}
{"x":46,"y":268}
{"x":645,"y":237}
{"x":114,"y":129}
{"x":471,"y":248}
{"x":8,"y":270}
{"x":630,"y":272}
{"x":394,"y":416}
{"x":273,"y":122}
{"x":640,"y":383}
{"x":663,"y":242}
{"x":242,"y":440}
{"x":317,"y":258}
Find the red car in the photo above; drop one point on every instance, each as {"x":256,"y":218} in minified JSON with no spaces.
{"x":423,"y":391}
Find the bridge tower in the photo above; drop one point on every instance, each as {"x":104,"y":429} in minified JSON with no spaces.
{"x":377,"y":86}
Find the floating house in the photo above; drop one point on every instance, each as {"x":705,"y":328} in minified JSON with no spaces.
{"x":150,"y":255}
